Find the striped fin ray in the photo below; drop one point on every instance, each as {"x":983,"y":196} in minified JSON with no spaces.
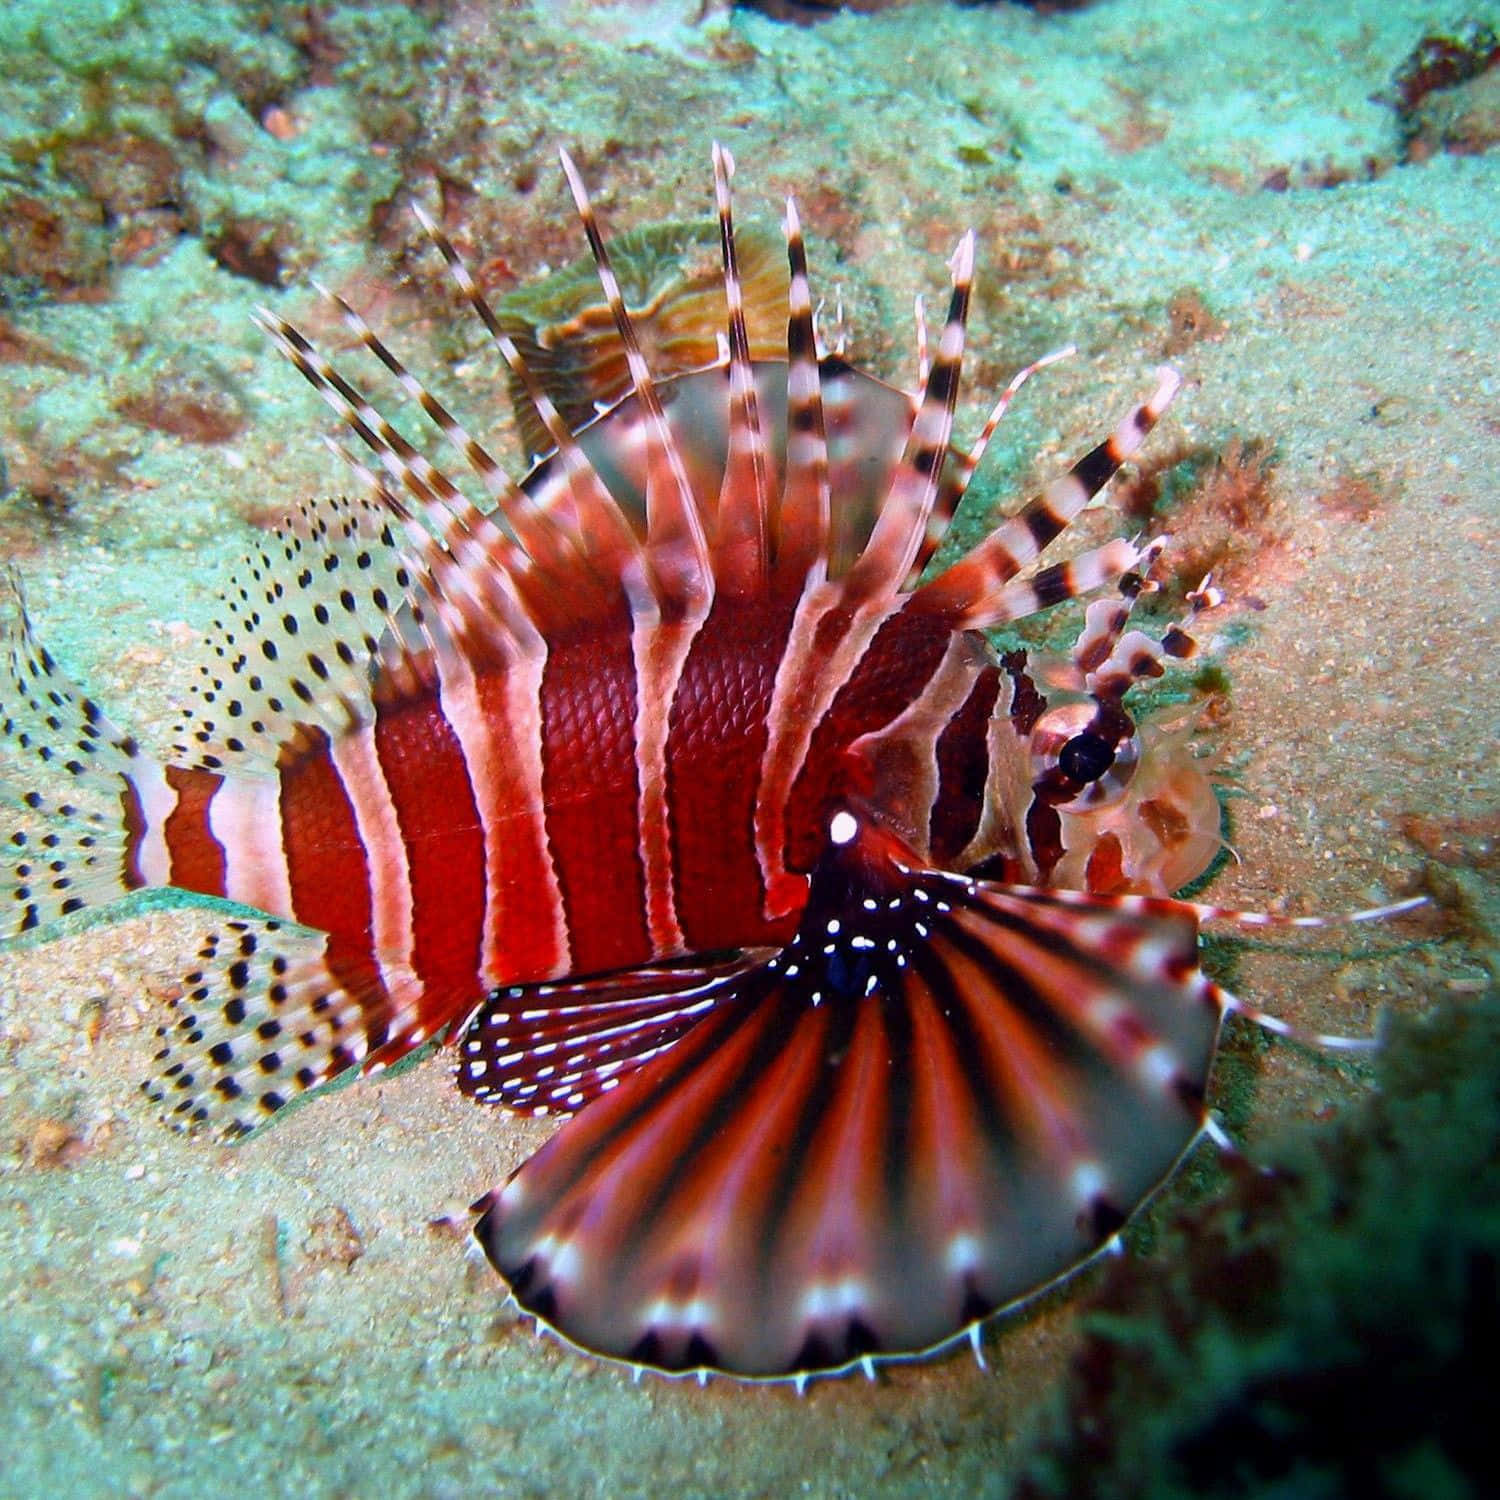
{"x":470,"y":573}
{"x":434,"y":494}
{"x":900,"y":530}
{"x":550,"y":552}
{"x":455,"y":600}
{"x":600,"y":528}
{"x":838,"y":616}
{"x":676,"y":546}
{"x":943,"y":1094}
{"x":1108,"y":658}
{"x":971,"y":592}
{"x":803,"y":519}
{"x":1058,"y":581}
{"x":471,"y":565}
{"x":740,"y":539}
{"x":333,"y":609}
{"x":549,"y":1049}
{"x":968,"y":463}
{"x":268,"y":1014}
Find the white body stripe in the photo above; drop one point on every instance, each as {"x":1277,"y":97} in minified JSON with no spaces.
{"x":245,"y":818}
{"x":806,"y":684}
{"x":903,"y":753}
{"x":158,"y":803}
{"x":504,"y":776}
{"x":659,"y":652}
{"x":1007,"y":791}
{"x":355,"y":759}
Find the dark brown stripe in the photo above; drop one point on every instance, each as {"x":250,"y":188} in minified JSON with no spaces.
{"x":1053,"y":585}
{"x":963,"y":764}
{"x":1093,"y":470}
{"x":1177,"y":642}
{"x":1043,"y":524}
{"x":1027,"y":705}
{"x":134,"y":819}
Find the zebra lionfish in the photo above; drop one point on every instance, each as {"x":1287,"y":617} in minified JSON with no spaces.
{"x":666,"y":786}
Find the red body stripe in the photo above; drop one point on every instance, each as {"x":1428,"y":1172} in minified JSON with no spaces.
{"x":326,"y":862}
{"x":714,"y":750}
{"x":197,"y":859}
{"x":428,"y":779}
{"x":590,"y":792}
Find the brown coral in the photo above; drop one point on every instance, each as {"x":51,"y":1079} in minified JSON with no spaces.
{"x":1446,"y":93}
{"x":187,"y":400}
{"x":1224,"y":514}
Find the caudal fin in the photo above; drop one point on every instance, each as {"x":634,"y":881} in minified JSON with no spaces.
{"x":65,"y":841}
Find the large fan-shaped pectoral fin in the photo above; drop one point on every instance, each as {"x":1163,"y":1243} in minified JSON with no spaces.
{"x":942,"y":1095}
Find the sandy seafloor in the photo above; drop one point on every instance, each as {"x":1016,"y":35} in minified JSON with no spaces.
{"x":177,"y":1317}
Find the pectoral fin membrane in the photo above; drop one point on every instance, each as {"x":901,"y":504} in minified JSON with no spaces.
{"x":943,"y":1094}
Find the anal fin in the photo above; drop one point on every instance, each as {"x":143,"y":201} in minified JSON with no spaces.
{"x":266,"y":1015}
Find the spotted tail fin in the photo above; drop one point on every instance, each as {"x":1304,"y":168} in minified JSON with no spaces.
{"x":942,"y":1094}
{"x":62,"y":851}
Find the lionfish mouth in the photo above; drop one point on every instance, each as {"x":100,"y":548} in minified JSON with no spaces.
{"x":845,"y":946}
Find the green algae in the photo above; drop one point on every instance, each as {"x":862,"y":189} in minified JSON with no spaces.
{"x":1327,"y":1327}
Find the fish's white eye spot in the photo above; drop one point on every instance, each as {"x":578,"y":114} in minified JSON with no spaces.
{"x":842,"y":827}
{"x":964,"y":1253}
{"x":1087,"y":1181}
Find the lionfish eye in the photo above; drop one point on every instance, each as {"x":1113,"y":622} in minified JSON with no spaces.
{"x":1085,"y":757}
{"x":1064,"y":741}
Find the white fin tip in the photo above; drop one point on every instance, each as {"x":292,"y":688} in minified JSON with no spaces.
{"x":962,"y":264}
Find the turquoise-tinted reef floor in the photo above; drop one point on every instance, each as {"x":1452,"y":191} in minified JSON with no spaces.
{"x":1239,"y":188}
